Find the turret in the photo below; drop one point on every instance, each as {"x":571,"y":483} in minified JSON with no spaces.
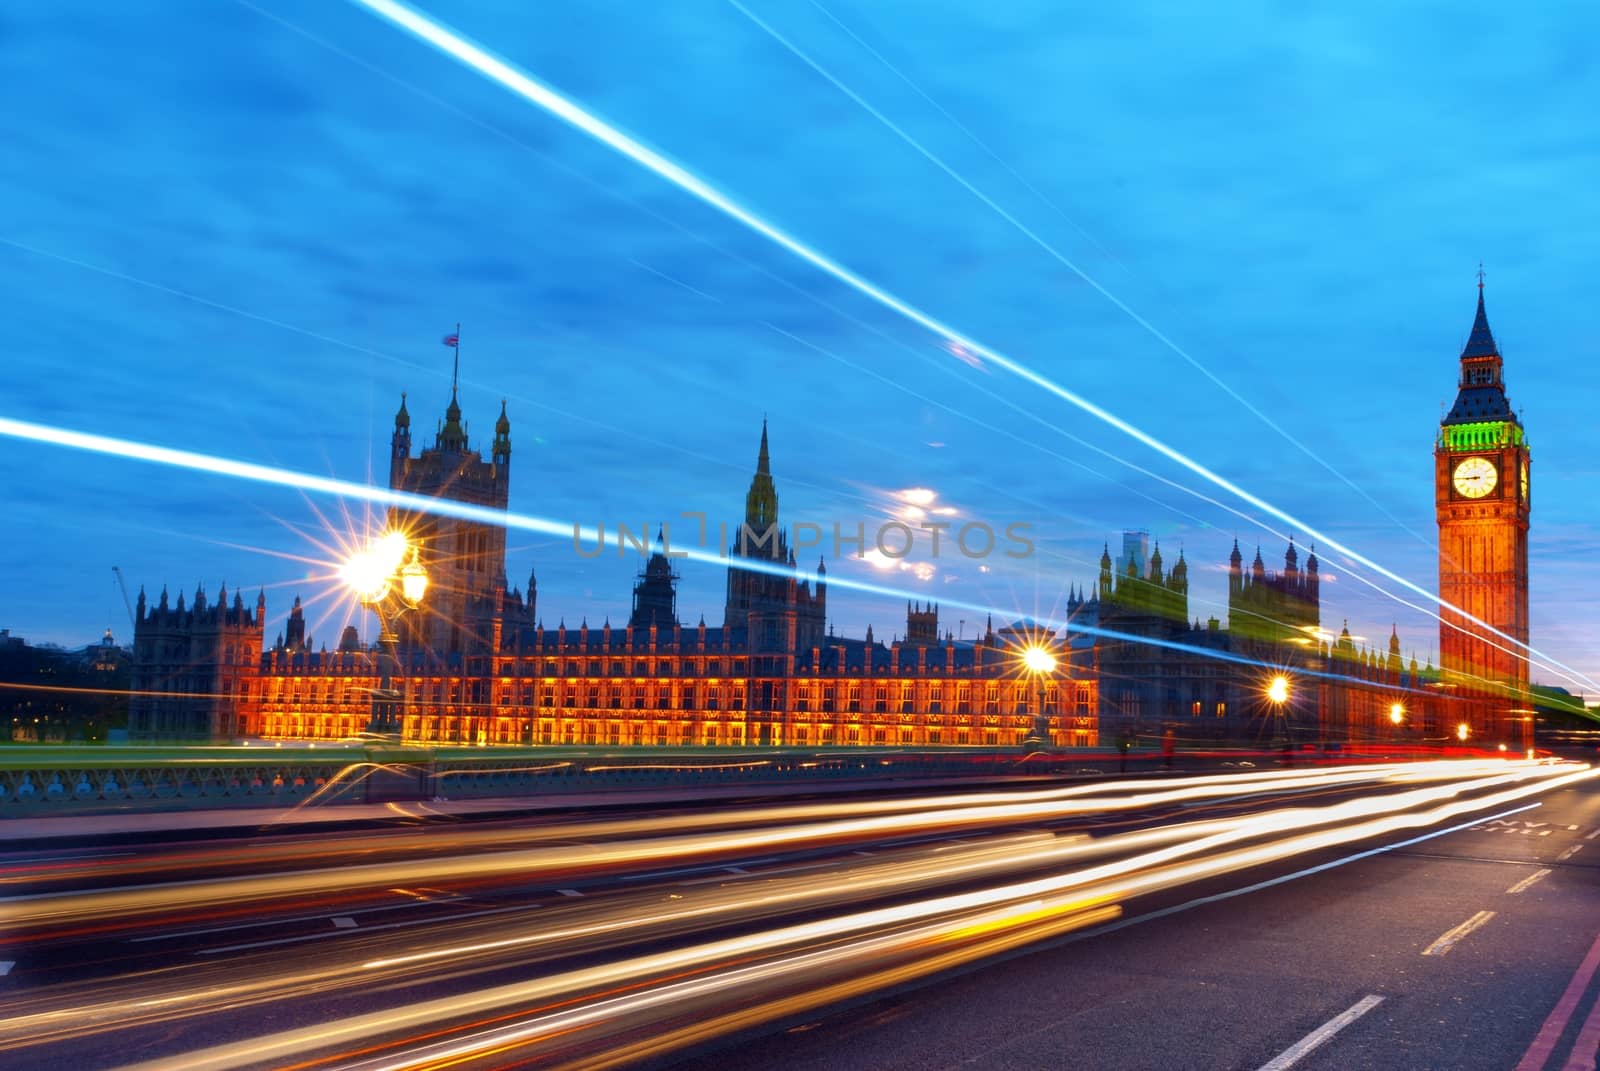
{"x":502,"y":440}
{"x":400,"y":443}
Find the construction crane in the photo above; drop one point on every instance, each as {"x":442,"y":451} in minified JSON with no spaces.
{"x":122,"y":585}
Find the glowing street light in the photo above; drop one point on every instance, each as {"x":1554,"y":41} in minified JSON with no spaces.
{"x":388,"y":577}
{"x":1278,"y":690}
{"x":1038,"y":660}
{"x":1462,"y":731}
{"x":1397,"y":713}
{"x":1040,"y":664}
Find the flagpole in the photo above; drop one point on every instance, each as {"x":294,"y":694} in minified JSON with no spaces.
{"x":455,"y":372}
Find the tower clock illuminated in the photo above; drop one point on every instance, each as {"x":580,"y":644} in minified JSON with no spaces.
{"x":1481,"y":497}
{"x":1475,"y":477}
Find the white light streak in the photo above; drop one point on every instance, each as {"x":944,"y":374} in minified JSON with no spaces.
{"x":512,"y":78}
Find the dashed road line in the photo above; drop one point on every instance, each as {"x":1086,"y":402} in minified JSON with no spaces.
{"x":1593,"y":835}
{"x":5,"y":966}
{"x":256,"y":925}
{"x":1449,"y":940}
{"x":344,"y":922}
{"x":1302,"y":1048}
{"x":1569,"y":853}
{"x":569,"y":892}
{"x":1526,"y":882}
{"x":369,"y":929}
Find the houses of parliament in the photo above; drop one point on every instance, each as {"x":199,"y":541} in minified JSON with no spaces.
{"x":477,"y":666}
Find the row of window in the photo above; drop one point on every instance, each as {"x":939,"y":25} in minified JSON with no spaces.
{"x":713,"y":734}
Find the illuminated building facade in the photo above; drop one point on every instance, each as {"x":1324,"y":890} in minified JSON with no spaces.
{"x":477,"y":665}
{"x":771,"y":674}
{"x":1482,"y":498}
{"x":465,"y":559}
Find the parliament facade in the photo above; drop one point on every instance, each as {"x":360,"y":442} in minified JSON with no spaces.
{"x":476,"y":665}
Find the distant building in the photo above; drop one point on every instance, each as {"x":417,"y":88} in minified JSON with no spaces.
{"x":52,"y":695}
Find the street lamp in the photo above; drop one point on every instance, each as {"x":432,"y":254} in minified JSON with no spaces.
{"x":1397,"y":718}
{"x":1040,"y":663}
{"x":1462,"y":731}
{"x":388,"y":577}
{"x":1278,"y":693}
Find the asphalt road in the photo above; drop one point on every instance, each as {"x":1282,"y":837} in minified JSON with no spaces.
{"x":146,"y":950}
{"x":1238,"y":982}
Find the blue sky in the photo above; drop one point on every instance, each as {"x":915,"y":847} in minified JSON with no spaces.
{"x":243,"y":228}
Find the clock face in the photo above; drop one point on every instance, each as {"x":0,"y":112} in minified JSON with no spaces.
{"x":1524,"y":481}
{"x":1475,"y":477}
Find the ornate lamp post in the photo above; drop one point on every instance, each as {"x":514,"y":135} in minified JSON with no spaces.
{"x":387,"y":577}
{"x":1278,"y":694}
{"x":1040,"y":663}
{"x":1397,"y":718}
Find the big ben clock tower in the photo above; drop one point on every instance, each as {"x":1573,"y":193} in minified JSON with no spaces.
{"x":1480,"y":489}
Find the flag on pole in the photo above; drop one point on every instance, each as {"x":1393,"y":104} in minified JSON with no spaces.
{"x":452,"y":341}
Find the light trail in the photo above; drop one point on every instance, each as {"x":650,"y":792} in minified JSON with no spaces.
{"x":514,"y":79}
{"x":959,"y":125}
{"x":771,"y":968}
{"x":1061,"y":258}
{"x":327,"y":485}
{"x":79,"y":907}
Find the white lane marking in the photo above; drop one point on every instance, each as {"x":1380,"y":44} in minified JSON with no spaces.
{"x":293,"y":918}
{"x":1217,"y":898}
{"x":1300,"y":1049}
{"x":736,"y":870}
{"x":344,"y":922}
{"x":860,"y":852}
{"x":1527,"y":881}
{"x":705,"y":869}
{"x":369,"y":929}
{"x":1569,"y":853}
{"x":1448,"y":940}
{"x":569,"y":892}
{"x":1593,"y":835}
{"x":6,"y":965}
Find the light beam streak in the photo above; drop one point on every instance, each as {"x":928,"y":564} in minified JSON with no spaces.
{"x":327,"y":485}
{"x":514,"y":79}
{"x":1060,"y":258}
